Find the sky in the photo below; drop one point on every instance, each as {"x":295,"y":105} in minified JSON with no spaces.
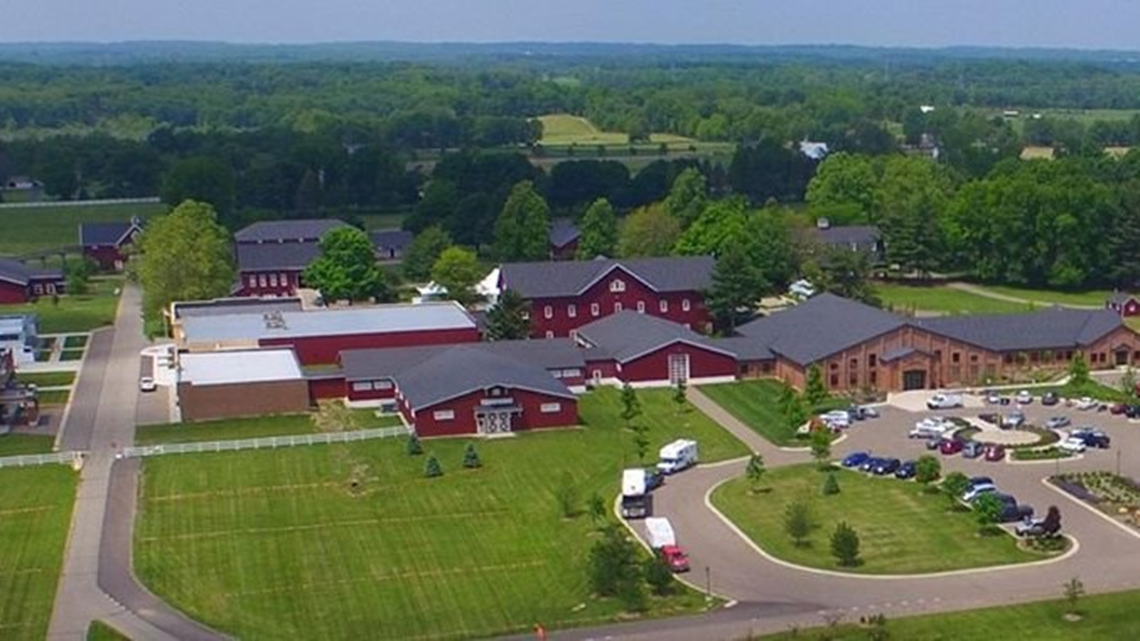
{"x":1083,"y":24}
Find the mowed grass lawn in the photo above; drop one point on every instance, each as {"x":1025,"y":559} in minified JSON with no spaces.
{"x":18,"y":444}
{"x":48,"y":379}
{"x":756,"y":403}
{"x":1093,"y":298}
{"x":254,"y":427}
{"x":35,"y":514}
{"x":74,"y":313}
{"x":27,"y":229}
{"x":902,"y":530}
{"x":1104,"y":616}
{"x":942,"y":300}
{"x":278,"y":545}
{"x":565,"y":129}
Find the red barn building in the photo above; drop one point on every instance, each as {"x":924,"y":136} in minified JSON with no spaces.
{"x":564,"y":237}
{"x":318,"y":336}
{"x":272,"y":255}
{"x":462,"y":389}
{"x":564,"y":296}
{"x":21,"y":284}
{"x":105,"y":243}
{"x":1124,"y":304}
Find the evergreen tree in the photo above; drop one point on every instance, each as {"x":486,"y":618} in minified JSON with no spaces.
{"x":687,"y":197}
{"x":413,"y":446}
{"x":821,"y":445}
{"x":471,"y":457}
{"x":736,"y":283}
{"x":830,"y":484}
{"x":659,"y":576}
{"x":599,"y":231}
{"x":755,"y":471}
{"x":845,"y":545}
{"x":432,"y":468}
{"x":630,"y":404}
{"x":1079,"y":370}
{"x":798,"y":521}
{"x":679,"y":397}
{"x":507,"y":319}
{"x":522,"y":229}
{"x":815,"y":393}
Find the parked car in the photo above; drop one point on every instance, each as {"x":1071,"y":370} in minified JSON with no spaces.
{"x":974,"y":492}
{"x":906,"y":470}
{"x":973,"y":449}
{"x":1117,"y":409}
{"x":995,"y":452}
{"x":942,"y":401}
{"x":676,"y":558}
{"x":1132,"y":411}
{"x":653,"y":479}
{"x":836,"y":419}
{"x":1073,"y":444}
{"x":147,"y":384}
{"x":934,"y":442}
{"x":991,"y":397}
{"x":1049,"y":398}
{"x":1023,"y":397}
{"x":990,"y":417}
{"x":870,"y":463}
{"x":979,"y":480}
{"x":1011,"y":510}
{"x":932,"y":426}
{"x":1057,"y":422}
{"x":886,"y":466}
{"x":950,"y":446}
{"x":1013,"y":420}
{"x":855,"y":459}
{"x":869,"y":411}
{"x":1092,"y":437}
{"x":1034,"y":527}
{"x":1085,"y":403}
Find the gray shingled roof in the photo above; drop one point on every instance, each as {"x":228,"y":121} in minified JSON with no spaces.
{"x":1053,"y":328}
{"x":390,"y":238}
{"x":820,"y":327}
{"x":861,"y":235}
{"x":628,"y":335}
{"x":91,"y":234}
{"x":563,"y":231}
{"x":288,"y":230}
{"x":746,"y":349}
{"x":1121,"y":297}
{"x":16,"y":272}
{"x":570,"y":278}
{"x":368,"y":364}
{"x":271,"y":256}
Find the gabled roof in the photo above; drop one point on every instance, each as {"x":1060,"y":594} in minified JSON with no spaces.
{"x":1053,"y":328}
{"x":288,"y":230}
{"x":572,"y":277}
{"x":746,"y":349}
{"x":18,"y":273}
{"x":369,"y":364}
{"x":1119,"y":298}
{"x":114,"y":233}
{"x":271,"y":256}
{"x":629,"y":335}
{"x":847,"y":235}
{"x":390,"y":238}
{"x":563,"y":231}
{"x":819,"y":327}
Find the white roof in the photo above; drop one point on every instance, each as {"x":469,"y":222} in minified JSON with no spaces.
{"x":227,"y":368}
{"x":331,"y":322}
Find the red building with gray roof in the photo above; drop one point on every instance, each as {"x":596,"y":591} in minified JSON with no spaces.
{"x":21,"y":284}
{"x":105,"y":243}
{"x":272,"y":255}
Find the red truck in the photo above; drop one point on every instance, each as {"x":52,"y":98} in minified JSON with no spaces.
{"x":675,"y":558}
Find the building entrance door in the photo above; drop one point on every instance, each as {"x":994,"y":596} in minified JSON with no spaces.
{"x":678,"y":369}
{"x":914,"y":379}
{"x":491,"y":422}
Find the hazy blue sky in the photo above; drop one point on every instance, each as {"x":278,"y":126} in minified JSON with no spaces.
{"x":1052,"y":23}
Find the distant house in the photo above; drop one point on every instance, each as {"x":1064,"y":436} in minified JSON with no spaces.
{"x":814,"y":150}
{"x":857,"y":238}
{"x":1123,"y":304}
{"x":104,"y":242}
{"x":21,"y":284}
{"x":564,"y":235}
{"x":18,"y":404}
{"x":271,"y":255}
{"x":22,"y":189}
{"x":390,"y":244}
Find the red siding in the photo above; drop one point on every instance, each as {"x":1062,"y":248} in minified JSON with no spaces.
{"x":107,"y":256}
{"x":560,"y":322}
{"x":13,"y":293}
{"x":370,"y":395}
{"x":655,"y":365}
{"x":324,"y":388}
{"x":323,"y":350}
{"x":279,"y":282}
{"x":464,"y":408}
{"x":566,"y":252}
{"x":607,"y":369}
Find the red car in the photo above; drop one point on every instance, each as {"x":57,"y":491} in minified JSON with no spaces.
{"x":995,"y":452}
{"x":1118,"y":408}
{"x":950,"y":446}
{"x":675,"y":558}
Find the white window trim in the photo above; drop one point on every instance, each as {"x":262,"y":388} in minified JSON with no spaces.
{"x":572,"y":310}
{"x":550,"y":333}
{"x":617,"y":285}
{"x":618,"y":307}
{"x":443,"y":415}
{"x":640,"y":307}
{"x":362,"y":386}
{"x":550,"y":408}
{"x":595,"y":309}
{"x":381,"y":385}
{"x":548,"y":312}
{"x":663,"y":305}
{"x":685,"y":305}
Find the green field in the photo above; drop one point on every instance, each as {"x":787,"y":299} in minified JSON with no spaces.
{"x":1095,"y":298}
{"x":53,"y":397}
{"x":565,"y":129}
{"x":756,"y":404}
{"x":17,"y":444}
{"x":35,"y":506}
{"x":73,"y":314}
{"x":28,"y":229}
{"x":902,"y":530}
{"x":99,"y":631}
{"x":942,"y":300}
{"x":259,"y":427}
{"x":281,"y":545}
{"x":1104,"y":616}
{"x":48,"y":379}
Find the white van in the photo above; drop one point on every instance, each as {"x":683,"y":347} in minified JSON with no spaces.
{"x":659,"y":531}
{"x":944,"y":401}
{"x":676,"y":456}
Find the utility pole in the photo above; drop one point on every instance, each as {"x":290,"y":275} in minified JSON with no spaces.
{"x":708,"y":584}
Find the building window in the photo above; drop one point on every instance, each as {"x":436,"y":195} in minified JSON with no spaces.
{"x":443,"y":415}
{"x":852,"y":380}
{"x":834,"y":367}
{"x":572,"y":310}
{"x":38,"y":289}
{"x":574,"y":334}
{"x":663,"y":306}
{"x":617,"y":307}
{"x":872,"y":360}
{"x":594,"y":309}
{"x":284,"y":279}
{"x":362,"y":386}
{"x":973,"y":358}
{"x":937,"y":354}
{"x":853,"y":364}
{"x":1007,"y":358}
{"x":640,"y":307}
{"x":273,"y":280}
{"x":548,"y":312}
{"x":874,"y":379}
{"x":549,"y":334}
{"x":835,"y":380}
{"x":261,"y":280}
{"x":956,"y":357}
{"x":381,"y":384}
{"x":685,"y":305}
{"x":1069,"y":355}
{"x":550,"y":408}
{"x":617,"y":285}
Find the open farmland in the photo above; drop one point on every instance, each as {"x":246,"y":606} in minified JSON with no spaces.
{"x":34,"y":228}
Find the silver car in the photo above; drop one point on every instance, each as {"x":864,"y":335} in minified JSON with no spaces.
{"x":1057,"y":422}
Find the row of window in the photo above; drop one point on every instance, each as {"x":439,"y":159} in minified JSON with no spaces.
{"x":270,"y":280}
{"x":449,"y":415}
{"x":368,"y":386}
{"x":596,"y":309}
{"x":40,"y":288}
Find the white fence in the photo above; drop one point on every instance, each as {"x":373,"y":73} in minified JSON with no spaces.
{"x":265,"y":443}
{"x":26,"y":460}
{"x":80,"y":203}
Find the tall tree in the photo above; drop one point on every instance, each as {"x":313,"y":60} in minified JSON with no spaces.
{"x":721,"y":223}
{"x":736,"y":283}
{"x":458,"y":271}
{"x":648,"y":231}
{"x":184,"y":255}
{"x":844,"y":184}
{"x":687,"y":198}
{"x":423,"y":251}
{"x":522,"y":230}
{"x":346,"y":268}
{"x":911,"y":202}
{"x":508,"y":319}
{"x":201,"y":179}
{"x":599,"y":231}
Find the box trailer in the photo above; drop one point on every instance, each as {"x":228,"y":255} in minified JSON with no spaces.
{"x":659,"y":531}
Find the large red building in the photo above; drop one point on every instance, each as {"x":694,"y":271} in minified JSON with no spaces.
{"x":564,"y":296}
{"x":272,"y":255}
{"x":21,"y":284}
{"x":106,"y":243}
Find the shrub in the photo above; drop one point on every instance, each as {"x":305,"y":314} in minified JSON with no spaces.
{"x":821,"y":446}
{"x":413,"y":446}
{"x":845,"y":545}
{"x":567,"y":496}
{"x":471,"y":457}
{"x":659,"y":576}
{"x":830,"y":484}
{"x":987,"y":509}
{"x":755,"y":471}
{"x":927,"y":469}
{"x":955,"y":485}
{"x":611,"y":558}
{"x":798,"y":521}
{"x":432,"y":468}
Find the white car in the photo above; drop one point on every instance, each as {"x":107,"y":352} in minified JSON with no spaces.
{"x":978,"y":490}
{"x":147,"y":384}
{"x":1024,"y":397}
{"x":836,"y":419}
{"x":944,"y":401}
{"x":1085,"y":403}
{"x":1073,"y":444}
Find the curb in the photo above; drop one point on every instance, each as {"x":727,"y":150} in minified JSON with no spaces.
{"x":1131,"y":531}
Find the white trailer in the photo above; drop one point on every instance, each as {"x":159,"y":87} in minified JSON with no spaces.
{"x":676,"y":456}
{"x":659,"y":531}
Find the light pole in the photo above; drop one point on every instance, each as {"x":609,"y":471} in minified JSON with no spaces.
{"x":1118,"y":461}
{"x":708,"y":584}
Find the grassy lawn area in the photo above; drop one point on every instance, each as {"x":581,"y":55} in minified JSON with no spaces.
{"x":17,"y":444}
{"x":368,"y":419}
{"x":233,"y":428}
{"x":48,"y":379}
{"x":565,"y":129}
{"x":54,"y":397}
{"x":80,"y":313}
{"x":36,"y":507}
{"x":99,"y":631}
{"x":75,"y":342}
{"x":1095,"y":298}
{"x":1105,"y":616}
{"x":756,"y":404}
{"x":942,"y":300}
{"x":1091,"y":389}
{"x":280,"y":545}
{"x":33,"y":228}
{"x":901,"y":529}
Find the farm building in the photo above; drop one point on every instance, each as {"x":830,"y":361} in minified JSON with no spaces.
{"x":390,"y":244}
{"x":18,"y":404}
{"x":105,"y":243}
{"x":21,"y":284}
{"x":564,"y":237}
{"x":566,"y":295}
{"x":271,"y":255}
{"x":216,"y":385}
{"x":464,"y":389}
{"x":318,"y":336}
{"x":1124,"y":304}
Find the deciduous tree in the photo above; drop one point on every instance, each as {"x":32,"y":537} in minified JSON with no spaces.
{"x":346,"y":268}
{"x":687,"y":198}
{"x":423,"y":251}
{"x":648,"y":231}
{"x":599,"y":231}
{"x":522,"y":229}
{"x":458,"y":271}
{"x":815,"y":391}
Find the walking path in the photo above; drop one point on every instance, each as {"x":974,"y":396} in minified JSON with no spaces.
{"x":981,"y":291}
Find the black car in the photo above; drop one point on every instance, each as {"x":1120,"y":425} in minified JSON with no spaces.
{"x":871,"y":463}
{"x":653,"y":479}
{"x":906,"y":470}
{"x":886,"y":466}
{"x":1132,"y":411}
{"x":1049,"y":398}
{"x":990,"y":417}
{"x":1011,"y":511}
{"x":1099,"y":440}
{"x":934,"y":442}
